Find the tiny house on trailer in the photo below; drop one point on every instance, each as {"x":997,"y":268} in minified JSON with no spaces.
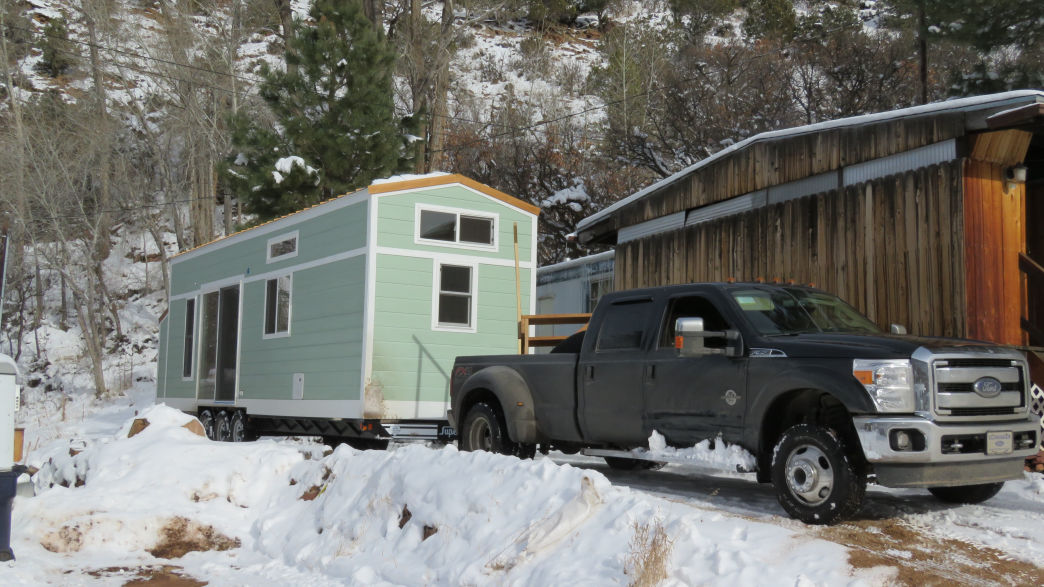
{"x":343,"y":320}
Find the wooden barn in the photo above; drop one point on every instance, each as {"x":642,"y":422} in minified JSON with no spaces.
{"x":931,"y":217}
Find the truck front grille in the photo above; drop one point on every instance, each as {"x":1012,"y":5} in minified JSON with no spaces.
{"x":955,"y":395}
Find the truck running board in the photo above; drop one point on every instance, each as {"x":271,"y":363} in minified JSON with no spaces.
{"x":626,"y":454}
{"x":659,"y":458}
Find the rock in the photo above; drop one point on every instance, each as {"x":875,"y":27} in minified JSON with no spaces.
{"x":140,"y":424}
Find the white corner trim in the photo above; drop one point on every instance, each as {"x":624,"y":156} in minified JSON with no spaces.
{"x":370,"y":298}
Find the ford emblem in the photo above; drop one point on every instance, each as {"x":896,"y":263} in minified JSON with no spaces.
{"x":987,"y":387}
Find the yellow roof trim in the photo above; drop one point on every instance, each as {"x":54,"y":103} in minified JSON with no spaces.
{"x":426,"y":182}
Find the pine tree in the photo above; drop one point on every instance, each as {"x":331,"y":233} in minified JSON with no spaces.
{"x":333,"y":127}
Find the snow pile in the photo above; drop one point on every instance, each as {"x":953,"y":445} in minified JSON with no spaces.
{"x":410,"y":516}
{"x":715,"y":454}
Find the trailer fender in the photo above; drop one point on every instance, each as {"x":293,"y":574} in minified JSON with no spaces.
{"x":512,"y":392}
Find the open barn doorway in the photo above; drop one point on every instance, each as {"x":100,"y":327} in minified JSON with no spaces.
{"x":1032,"y":264}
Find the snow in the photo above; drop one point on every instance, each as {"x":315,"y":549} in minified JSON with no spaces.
{"x":302,"y":515}
{"x":409,"y":177}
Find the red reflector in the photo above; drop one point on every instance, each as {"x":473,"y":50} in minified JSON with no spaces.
{"x":679,"y":342}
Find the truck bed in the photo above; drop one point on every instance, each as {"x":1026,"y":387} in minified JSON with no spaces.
{"x":551,"y":378}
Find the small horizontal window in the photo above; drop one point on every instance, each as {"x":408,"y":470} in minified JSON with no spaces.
{"x":282,"y":247}
{"x":453,"y":227}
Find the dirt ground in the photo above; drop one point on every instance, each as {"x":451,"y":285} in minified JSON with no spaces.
{"x":924,"y":560}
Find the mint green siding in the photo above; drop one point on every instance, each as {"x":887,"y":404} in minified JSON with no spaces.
{"x":174,"y":384}
{"x":411,"y":361}
{"x":325,"y":342}
{"x":396,"y":219}
{"x":336,"y":231}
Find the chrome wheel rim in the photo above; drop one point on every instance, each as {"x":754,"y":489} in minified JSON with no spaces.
{"x":810,"y":477}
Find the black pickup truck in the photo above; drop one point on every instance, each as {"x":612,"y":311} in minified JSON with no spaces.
{"x":822,"y":398}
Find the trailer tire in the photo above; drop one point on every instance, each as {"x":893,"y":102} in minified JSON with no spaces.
{"x":966,"y":494}
{"x":222,"y":427}
{"x":238,"y":428}
{"x":484,"y":429}
{"x":206,"y":418}
{"x":814,"y":477}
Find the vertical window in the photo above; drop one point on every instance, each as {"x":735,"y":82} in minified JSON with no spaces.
{"x":277,"y":305}
{"x":454,"y":308}
{"x":598,"y":287}
{"x":190,"y":326}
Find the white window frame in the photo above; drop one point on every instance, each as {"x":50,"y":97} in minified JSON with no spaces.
{"x":289,"y":308}
{"x":436,"y":290}
{"x":494,"y":247}
{"x":278,"y":239}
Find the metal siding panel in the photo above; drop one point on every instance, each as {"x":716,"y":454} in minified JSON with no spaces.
{"x":721,"y":209}
{"x":900,"y":162}
{"x":816,"y":184}
{"x":654,"y":226}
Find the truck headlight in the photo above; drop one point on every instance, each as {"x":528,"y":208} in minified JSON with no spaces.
{"x":889,"y":383}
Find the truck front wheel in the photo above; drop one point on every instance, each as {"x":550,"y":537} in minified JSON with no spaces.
{"x":966,"y":494}
{"x":483,"y":430}
{"x":814,"y":478}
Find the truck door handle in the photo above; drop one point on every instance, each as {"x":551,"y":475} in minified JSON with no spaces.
{"x":651,"y":371}
{"x":590,"y":371}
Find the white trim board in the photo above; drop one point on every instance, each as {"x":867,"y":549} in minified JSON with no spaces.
{"x":415,"y":409}
{"x":453,"y":258}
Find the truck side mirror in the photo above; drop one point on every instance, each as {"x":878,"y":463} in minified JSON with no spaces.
{"x":690,"y":339}
{"x":898,"y":329}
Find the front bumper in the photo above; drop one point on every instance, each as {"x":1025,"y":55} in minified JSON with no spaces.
{"x":929,"y":465}
{"x":874,"y":436}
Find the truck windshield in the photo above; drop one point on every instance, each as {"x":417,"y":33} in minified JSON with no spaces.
{"x":784,"y":310}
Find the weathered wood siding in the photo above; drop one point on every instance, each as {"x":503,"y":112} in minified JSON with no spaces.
{"x":774,"y":162}
{"x":995,"y":235}
{"x":894,"y":248}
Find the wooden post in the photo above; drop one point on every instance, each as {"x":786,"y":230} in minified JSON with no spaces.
{"x":518,"y":293}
